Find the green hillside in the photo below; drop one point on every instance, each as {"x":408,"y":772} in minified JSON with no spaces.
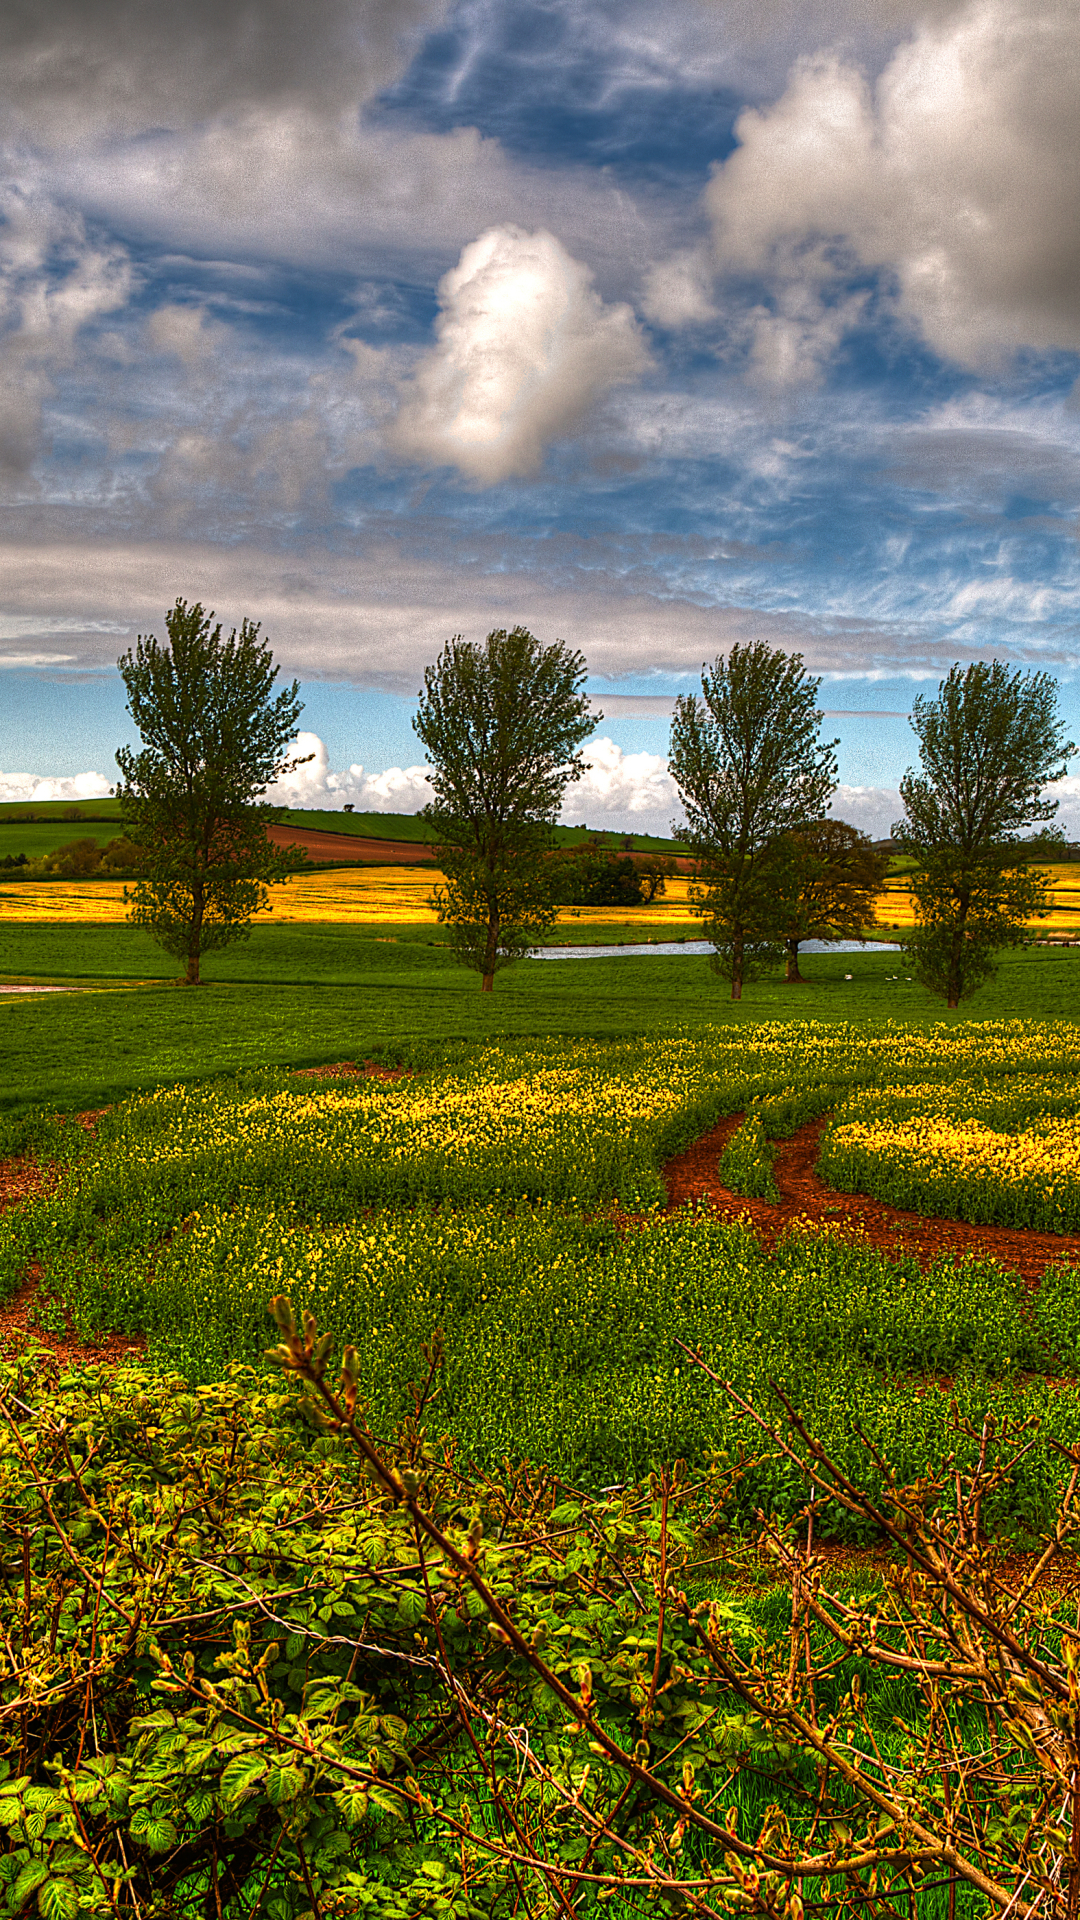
{"x":37,"y":827}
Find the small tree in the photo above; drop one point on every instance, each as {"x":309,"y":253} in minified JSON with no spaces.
{"x":190,"y":798}
{"x":750,"y":769}
{"x":501,"y":724}
{"x":989,"y":743}
{"x":838,"y":875}
{"x":599,"y":876}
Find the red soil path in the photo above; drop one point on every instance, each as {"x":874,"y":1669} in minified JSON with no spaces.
{"x":692,"y":1176}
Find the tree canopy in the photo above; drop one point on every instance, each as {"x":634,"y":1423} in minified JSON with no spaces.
{"x":989,"y":743}
{"x":214,"y":738}
{"x":750,"y":769}
{"x":837,"y":876}
{"x":501,"y":723}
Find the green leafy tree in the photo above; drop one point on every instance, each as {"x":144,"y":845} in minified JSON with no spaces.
{"x":989,"y":744}
{"x":75,"y":861}
{"x":751,"y":770}
{"x":213,"y":736}
{"x":599,"y":876}
{"x":501,"y":724}
{"x":838,"y":875}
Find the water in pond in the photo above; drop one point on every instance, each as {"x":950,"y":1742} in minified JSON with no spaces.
{"x":700,"y":946}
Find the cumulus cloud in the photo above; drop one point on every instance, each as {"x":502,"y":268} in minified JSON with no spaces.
{"x":872,"y":809}
{"x":34,"y":786}
{"x":1067,"y":793}
{"x":315,"y":784}
{"x":524,"y":347}
{"x":623,"y":789}
{"x":955,"y":174}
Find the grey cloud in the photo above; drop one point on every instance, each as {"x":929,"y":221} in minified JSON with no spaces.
{"x":378,"y":617}
{"x":289,"y":184}
{"x":984,"y":462}
{"x":71,"y":68}
{"x":622,"y":706}
{"x":55,"y":280}
{"x":956,"y":172}
{"x":872,"y":809}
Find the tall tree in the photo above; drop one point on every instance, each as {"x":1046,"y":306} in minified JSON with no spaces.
{"x":989,"y":744}
{"x":751,"y":770}
{"x":838,"y":875}
{"x":213,"y":741}
{"x":501,"y":723}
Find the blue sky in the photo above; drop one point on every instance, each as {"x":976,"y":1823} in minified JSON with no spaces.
{"x":654,"y":329}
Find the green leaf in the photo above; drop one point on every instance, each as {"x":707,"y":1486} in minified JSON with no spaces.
{"x":241,"y":1777}
{"x":29,"y":1879}
{"x":58,"y":1899}
{"x":44,"y":1800}
{"x":284,"y":1783}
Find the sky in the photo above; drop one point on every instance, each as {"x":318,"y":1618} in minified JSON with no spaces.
{"x":650,"y":328}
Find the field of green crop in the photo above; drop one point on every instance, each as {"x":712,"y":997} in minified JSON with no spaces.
{"x":481,"y":1202}
{"x":489,"y":1232}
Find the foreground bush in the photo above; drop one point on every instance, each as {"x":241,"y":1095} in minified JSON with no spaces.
{"x":258,"y":1663}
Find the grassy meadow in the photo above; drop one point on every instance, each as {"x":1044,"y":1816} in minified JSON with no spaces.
{"x":495,"y":1216}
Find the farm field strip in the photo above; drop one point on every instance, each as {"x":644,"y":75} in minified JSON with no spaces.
{"x":355,"y":895}
{"x":370,"y":895}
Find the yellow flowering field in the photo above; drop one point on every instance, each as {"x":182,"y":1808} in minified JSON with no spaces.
{"x":996,"y":1152}
{"x":384,"y":895}
{"x":896,"y":911}
{"x":354,"y":895}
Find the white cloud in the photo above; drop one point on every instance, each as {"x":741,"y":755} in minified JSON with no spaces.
{"x":315,"y":784}
{"x":525,"y":346}
{"x":631,"y":791}
{"x":34,"y":786}
{"x":956,"y":172}
{"x":623,"y":790}
{"x":1067,"y":793}
{"x":872,"y":809}
{"x":678,"y":292}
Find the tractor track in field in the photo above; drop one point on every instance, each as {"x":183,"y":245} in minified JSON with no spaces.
{"x":692,"y":1177}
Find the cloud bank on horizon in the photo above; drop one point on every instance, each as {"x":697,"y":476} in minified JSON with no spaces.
{"x":386,"y":319}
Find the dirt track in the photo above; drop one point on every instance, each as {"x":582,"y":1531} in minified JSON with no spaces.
{"x":692,"y":1176}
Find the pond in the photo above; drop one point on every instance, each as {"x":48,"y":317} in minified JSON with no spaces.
{"x":692,"y":947}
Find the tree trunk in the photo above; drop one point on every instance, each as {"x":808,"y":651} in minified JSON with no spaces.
{"x":198,"y":908}
{"x":955,"y":981}
{"x":488,"y":981}
{"x":793,"y":978}
{"x":736,"y":967}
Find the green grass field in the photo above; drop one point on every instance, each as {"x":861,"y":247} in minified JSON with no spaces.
{"x":300,"y":995}
{"x":467,"y":1212}
{"x":35,"y":828}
